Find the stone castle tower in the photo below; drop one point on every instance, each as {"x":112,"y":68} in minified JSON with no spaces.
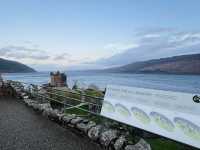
{"x":58,"y":79}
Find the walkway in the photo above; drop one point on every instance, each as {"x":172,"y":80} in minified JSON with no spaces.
{"x":23,"y":129}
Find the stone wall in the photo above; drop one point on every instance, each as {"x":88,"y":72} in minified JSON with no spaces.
{"x":108,"y":138}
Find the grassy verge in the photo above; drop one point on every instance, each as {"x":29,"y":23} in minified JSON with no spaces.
{"x":164,"y":144}
{"x":94,"y":93}
{"x":78,"y":111}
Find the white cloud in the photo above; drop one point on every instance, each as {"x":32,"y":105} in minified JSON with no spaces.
{"x":38,"y":58}
{"x":120,"y":46}
{"x":151,"y":35}
{"x":154,"y":44}
{"x":63,"y":56}
{"x":21,"y":52}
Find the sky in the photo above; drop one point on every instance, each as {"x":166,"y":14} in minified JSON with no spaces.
{"x":68,"y":34}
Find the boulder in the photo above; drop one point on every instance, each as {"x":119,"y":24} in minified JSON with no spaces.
{"x":25,"y":97}
{"x":75,"y":121}
{"x":35,"y":106}
{"x":54,"y":115}
{"x":29,"y":102}
{"x":85,"y":121}
{"x":85,"y":125}
{"x":47,"y":111}
{"x":60,"y":117}
{"x":26,"y":100}
{"x":108,"y":136}
{"x":23,"y":94}
{"x":66,"y":119}
{"x":81,"y":126}
{"x":18,"y":90}
{"x":141,"y":145}
{"x":95,"y":132}
{"x":44,"y":106}
{"x":120,"y":142}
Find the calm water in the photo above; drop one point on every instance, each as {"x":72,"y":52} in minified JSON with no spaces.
{"x":183,"y":83}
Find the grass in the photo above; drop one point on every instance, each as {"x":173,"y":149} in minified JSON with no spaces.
{"x":73,"y":95}
{"x":165,"y":144}
{"x":94,"y":93}
{"x":78,"y":111}
{"x":64,"y":94}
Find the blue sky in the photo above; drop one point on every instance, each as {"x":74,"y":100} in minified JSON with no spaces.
{"x":64,"y":33}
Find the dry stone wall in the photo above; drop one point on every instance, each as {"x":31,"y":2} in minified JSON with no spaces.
{"x":108,"y":138}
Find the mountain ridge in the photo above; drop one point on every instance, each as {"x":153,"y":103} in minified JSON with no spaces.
{"x":8,"y":66}
{"x":183,"y":64}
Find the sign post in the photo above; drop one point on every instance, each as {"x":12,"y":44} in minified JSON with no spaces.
{"x":174,"y":115}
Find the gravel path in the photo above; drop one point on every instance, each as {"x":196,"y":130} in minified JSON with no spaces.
{"x":23,"y":129}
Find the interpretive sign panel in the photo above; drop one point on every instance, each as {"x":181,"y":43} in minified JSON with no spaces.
{"x":174,"y":115}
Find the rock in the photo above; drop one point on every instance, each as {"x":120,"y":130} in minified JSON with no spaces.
{"x":54,"y":115}
{"x":60,"y":117}
{"x":131,"y":147}
{"x":85,"y":121}
{"x":90,"y":125}
{"x":35,"y":106}
{"x":76,"y":120}
{"x":141,"y":145}
{"x":23,"y":94}
{"x":84,"y":127}
{"x":120,"y":142}
{"x":30,"y":102}
{"x":25,"y":97}
{"x":47,"y":111}
{"x":95,"y":132}
{"x":26,"y":100}
{"x":81,"y":126}
{"x":57,"y":116}
{"x":66,"y":119}
{"x":44,"y":106}
{"x":108,"y":136}
{"x":18,"y":90}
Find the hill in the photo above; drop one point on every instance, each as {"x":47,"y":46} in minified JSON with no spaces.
{"x":185,"y":64}
{"x":7,"y":66}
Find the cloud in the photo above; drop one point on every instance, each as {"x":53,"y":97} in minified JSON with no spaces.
{"x":28,"y":42}
{"x":21,"y":52}
{"x":154,"y":44}
{"x":63,"y":56}
{"x":152,"y":35}
{"x":37,"y":58}
{"x":120,"y":46}
{"x":67,"y":59}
